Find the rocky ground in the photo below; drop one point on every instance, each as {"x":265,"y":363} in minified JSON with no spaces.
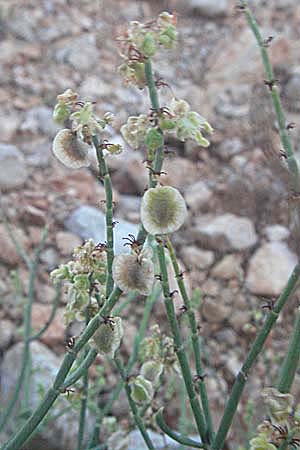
{"x":239,"y":244}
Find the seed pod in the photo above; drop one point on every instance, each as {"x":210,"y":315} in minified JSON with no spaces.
{"x":69,"y":150}
{"x":163,"y":210}
{"x":141,"y":390}
{"x":152,"y":370}
{"x":107,"y":338}
{"x":134,"y":272}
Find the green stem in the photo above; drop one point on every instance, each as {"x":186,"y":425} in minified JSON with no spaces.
{"x":181,"y":355}
{"x":137,"y":419}
{"x":151,"y":299}
{"x":83,"y":367}
{"x":25,"y":432}
{"x":283,"y":132}
{"x":184,"y":440}
{"x":195,"y":339}
{"x":291,"y":361}
{"x":156,"y":163}
{"x":104,"y":173}
{"x":85,"y":384}
{"x":237,"y":390}
{"x":153,"y":94}
{"x":23,"y":375}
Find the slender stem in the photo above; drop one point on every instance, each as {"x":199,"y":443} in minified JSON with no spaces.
{"x":151,"y":299}
{"x":25,"y":432}
{"x":291,"y":361}
{"x":180,"y":351}
{"x":195,"y":339}
{"x":83,"y":367}
{"x":136,"y":416}
{"x":184,"y":440}
{"x":104,"y":173}
{"x":156,"y":162}
{"x":85,"y":384}
{"x":153,"y":94}
{"x":23,"y":375}
{"x":237,"y":390}
{"x":283,"y":132}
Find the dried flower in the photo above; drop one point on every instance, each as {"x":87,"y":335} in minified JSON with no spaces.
{"x":163,"y":210}
{"x":134,"y":272}
{"x":107,"y":338}
{"x":69,"y":150}
{"x":135,"y":130}
{"x":152,"y":371}
{"x":279,"y":405}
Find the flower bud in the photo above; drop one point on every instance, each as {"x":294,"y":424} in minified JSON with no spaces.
{"x":148,"y":47}
{"x":141,"y":390}
{"x":163,"y":210}
{"x":107,"y":338}
{"x":69,"y":150}
{"x":134,"y":272}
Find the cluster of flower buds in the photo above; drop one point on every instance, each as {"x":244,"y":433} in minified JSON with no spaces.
{"x":134,"y":271}
{"x":176,"y":119}
{"x":72,"y":145}
{"x":108,"y":336}
{"x":85,"y":276}
{"x":142,"y":42}
{"x":272,"y":432}
{"x":184,"y":123}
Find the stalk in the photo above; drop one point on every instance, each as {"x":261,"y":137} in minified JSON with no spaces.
{"x":156,"y":162}
{"x":22,"y":436}
{"x":195,"y":339}
{"x":104,"y":173}
{"x":291,"y":361}
{"x":151,"y":299}
{"x":180,"y":351}
{"x":85,"y":385}
{"x":135,"y":412}
{"x":23,"y":375}
{"x":184,"y":440}
{"x":237,"y":390}
{"x":282,"y":124}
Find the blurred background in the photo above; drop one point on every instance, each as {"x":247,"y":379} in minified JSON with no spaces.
{"x":238,"y":246}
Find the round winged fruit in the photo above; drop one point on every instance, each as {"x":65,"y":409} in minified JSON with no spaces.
{"x":69,"y":150}
{"x":134,"y":272}
{"x":163,"y":210}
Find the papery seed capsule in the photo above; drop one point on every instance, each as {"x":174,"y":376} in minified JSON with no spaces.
{"x":141,"y":390}
{"x":69,"y":150}
{"x":107,"y":338}
{"x":152,"y":370}
{"x":163,"y":210}
{"x":133,"y":272}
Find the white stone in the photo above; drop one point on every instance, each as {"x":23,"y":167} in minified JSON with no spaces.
{"x":197,"y":195}
{"x":269,"y":269}
{"x":226,"y":232}
{"x":196,"y":258}
{"x":276,"y":232}
{"x":13,"y":173}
